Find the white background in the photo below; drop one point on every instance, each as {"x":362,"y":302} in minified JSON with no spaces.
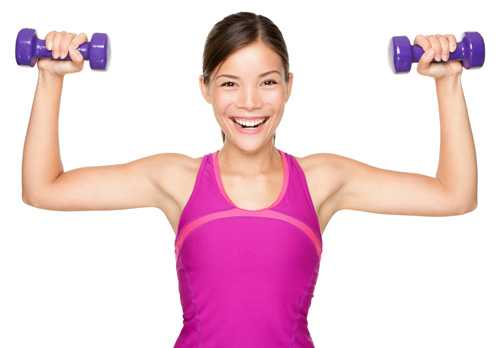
{"x":107,"y":278}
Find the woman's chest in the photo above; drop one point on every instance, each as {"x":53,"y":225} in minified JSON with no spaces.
{"x":253,"y":194}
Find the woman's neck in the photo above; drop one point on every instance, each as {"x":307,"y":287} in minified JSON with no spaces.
{"x":239,"y":162}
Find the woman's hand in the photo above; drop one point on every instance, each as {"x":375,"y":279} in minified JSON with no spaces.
{"x":60,"y":43}
{"x":438,"y":47}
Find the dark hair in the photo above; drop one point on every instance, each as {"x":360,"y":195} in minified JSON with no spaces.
{"x":236,"y":31}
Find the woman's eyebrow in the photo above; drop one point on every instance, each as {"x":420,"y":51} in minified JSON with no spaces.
{"x":236,"y":77}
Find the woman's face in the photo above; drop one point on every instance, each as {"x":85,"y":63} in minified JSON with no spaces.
{"x":249,"y":83}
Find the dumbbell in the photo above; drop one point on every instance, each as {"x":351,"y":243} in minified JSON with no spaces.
{"x":29,"y":48}
{"x":402,"y":54}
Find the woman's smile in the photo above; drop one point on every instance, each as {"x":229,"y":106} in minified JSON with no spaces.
{"x":249,"y":125}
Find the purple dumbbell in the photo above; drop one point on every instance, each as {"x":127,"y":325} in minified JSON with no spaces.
{"x":470,"y":51}
{"x":29,"y":48}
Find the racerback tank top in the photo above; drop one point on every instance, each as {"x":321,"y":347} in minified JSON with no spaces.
{"x":247,"y":277}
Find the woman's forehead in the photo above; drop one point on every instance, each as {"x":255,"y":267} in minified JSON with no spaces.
{"x":253,"y":59}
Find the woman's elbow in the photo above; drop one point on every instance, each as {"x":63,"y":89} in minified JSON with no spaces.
{"x":467,"y":207}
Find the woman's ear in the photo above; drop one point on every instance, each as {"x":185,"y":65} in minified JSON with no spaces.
{"x":205,"y":90}
{"x":289,"y":85}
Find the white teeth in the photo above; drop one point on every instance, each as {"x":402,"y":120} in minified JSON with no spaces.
{"x":250,"y":123}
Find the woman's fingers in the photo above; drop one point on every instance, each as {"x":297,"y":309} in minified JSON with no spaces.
{"x":436,"y":46}
{"x":445,"y":48}
{"x":64,"y":44}
{"x":422,"y":42}
{"x":441,"y":45}
{"x":56,"y":41}
{"x":452,"y":42}
{"x":48,"y":40}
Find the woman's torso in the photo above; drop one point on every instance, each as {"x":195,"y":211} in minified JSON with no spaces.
{"x":246,"y":276}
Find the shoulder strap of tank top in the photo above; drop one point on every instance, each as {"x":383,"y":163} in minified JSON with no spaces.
{"x":204,"y":198}
{"x":300,"y":195}
{"x":188,"y":211}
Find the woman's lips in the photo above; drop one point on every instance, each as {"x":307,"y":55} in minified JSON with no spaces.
{"x":249,"y":117}
{"x":250,"y":130}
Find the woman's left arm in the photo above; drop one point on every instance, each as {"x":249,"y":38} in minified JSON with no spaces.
{"x":457,"y":169}
{"x":454,"y":189}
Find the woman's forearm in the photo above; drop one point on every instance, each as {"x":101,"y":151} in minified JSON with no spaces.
{"x":457,"y":169}
{"x":41,"y":158}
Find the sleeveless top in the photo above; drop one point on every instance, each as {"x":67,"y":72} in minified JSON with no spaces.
{"x":246,"y":277}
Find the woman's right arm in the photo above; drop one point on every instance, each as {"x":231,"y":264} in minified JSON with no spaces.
{"x":44,"y":182}
{"x":135,"y":184}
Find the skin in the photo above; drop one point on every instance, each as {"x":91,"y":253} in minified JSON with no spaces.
{"x":250,"y":166}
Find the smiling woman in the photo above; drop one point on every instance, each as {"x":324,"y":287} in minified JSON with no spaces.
{"x":249,"y":218}
{"x":237,"y":31}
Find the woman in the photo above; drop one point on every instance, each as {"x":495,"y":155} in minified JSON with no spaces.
{"x":249,"y":217}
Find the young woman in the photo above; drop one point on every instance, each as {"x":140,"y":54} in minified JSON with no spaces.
{"x":249,"y":217}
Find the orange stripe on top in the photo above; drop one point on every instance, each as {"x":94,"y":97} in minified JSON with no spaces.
{"x":237,"y":212}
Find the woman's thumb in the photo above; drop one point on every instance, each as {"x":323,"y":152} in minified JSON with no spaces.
{"x":425,"y":60}
{"x":75,"y":55}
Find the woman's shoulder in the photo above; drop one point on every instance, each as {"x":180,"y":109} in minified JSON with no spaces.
{"x":320,"y":162}
{"x":176,"y":172}
{"x":323,"y":175}
{"x":175,"y":162}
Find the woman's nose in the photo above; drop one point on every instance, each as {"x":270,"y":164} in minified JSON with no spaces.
{"x":249,"y":98}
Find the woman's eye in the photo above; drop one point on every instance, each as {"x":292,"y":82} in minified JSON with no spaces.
{"x":273,"y":82}
{"x":225,"y":83}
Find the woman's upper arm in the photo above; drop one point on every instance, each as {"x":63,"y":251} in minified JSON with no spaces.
{"x":368,"y":188}
{"x":134,"y":184}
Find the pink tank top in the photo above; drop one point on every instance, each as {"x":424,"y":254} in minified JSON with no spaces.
{"x":247,"y":277}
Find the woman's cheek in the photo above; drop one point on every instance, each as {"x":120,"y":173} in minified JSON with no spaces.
{"x":226,"y":98}
{"x":274,"y":96}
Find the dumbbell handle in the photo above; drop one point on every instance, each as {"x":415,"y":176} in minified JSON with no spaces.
{"x":457,"y":54}
{"x":42,"y":51}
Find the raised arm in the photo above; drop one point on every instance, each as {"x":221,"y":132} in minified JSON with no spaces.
{"x":359,"y":186}
{"x":140,"y":183}
{"x":44,"y":182}
{"x":453,"y":190}
{"x":145,"y":182}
